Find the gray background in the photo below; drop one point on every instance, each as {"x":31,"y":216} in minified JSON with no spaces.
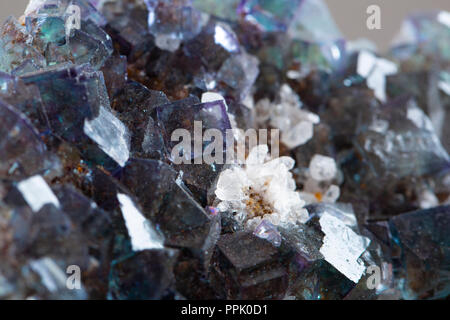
{"x":350,"y":15}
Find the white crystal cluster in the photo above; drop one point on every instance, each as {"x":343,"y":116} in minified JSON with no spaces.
{"x":296,"y":124}
{"x":261,"y":189}
{"x":318,"y":186}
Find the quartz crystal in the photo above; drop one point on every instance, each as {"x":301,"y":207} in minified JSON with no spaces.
{"x":127,"y":154}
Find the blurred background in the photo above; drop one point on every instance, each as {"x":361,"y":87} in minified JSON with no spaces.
{"x":350,"y":15}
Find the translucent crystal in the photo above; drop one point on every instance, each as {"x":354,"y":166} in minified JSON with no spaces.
{"x":127,"y":26}
{"x":214,"y":44}
{"x":142,"y":233}
{"x":84,"y":93}
{"x":313,"y":22}
{"x":50,"y":25}
{"x":190,"y":156}
{"x":89,"y":163}
{"x":26,"y":99}
{"x":332,"y":194}
{"x":343,"y":212}
{"x":134,"y":104}
{"x":235,"y":257}
{"x":213,"y":96}
{"x":110,"y":134}
{"x":322,"y":168}
{"x":95,"y":223}
{"x":269,"y":15}
{"x":325,"y":57}
{"x":266,"y":230}
{"x":375,"y":70}
{"x":424,"y":34}
{"x":87,"y":9}
{"x":169,"y":206}
{"x":409,"y":146}
{"x":15,"y":47}
{"x":172,"y":23}
{"x":37,"y":193}
{"x":91,"y":45}
{"x":155,"y":266}
{"x":342,"y":247}
{"x":54,"y":278}
{"x":227,"y":9}
{"x":239,"y":72}
{"x":422,"y":237}
{"x":33,"y":6}
{"x":23,"y":153}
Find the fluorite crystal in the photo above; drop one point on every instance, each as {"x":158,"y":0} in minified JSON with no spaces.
{"x":172,"y":22}
{"x":246,"y":266}
{"x":424,"y":245}
{"x":15,"y":47}
{"x":400,"y":139}
{"x":95,"y":178}
{"x":23,"y":152}
{"x":169,"y":205}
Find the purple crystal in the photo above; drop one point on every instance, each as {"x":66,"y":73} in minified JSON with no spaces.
{"x":144,"y":275}
{"x":266,"y":230}
{"x":172,"y":22}
{"x":23,"y":153}
{"x":110,"y":162}
{"x":239,"y":73}
{"x":195,"y":119}
{"x":248,"y":266}
{"x":423,"y":239}
{"x":13,"y":52}
{"x":169,"y":206}
{"x":400,"y":139}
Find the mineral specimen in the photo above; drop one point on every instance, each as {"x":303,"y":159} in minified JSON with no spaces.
{"x":121,"y":121}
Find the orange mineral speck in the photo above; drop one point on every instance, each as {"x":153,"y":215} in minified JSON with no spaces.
{"x":256,"y":205}
{"x":318,"y":196}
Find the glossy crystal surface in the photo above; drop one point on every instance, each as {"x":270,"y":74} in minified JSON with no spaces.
{"x":94,"y":95}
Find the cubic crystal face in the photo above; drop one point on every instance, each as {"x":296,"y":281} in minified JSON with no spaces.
{"x":249,"y":267}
